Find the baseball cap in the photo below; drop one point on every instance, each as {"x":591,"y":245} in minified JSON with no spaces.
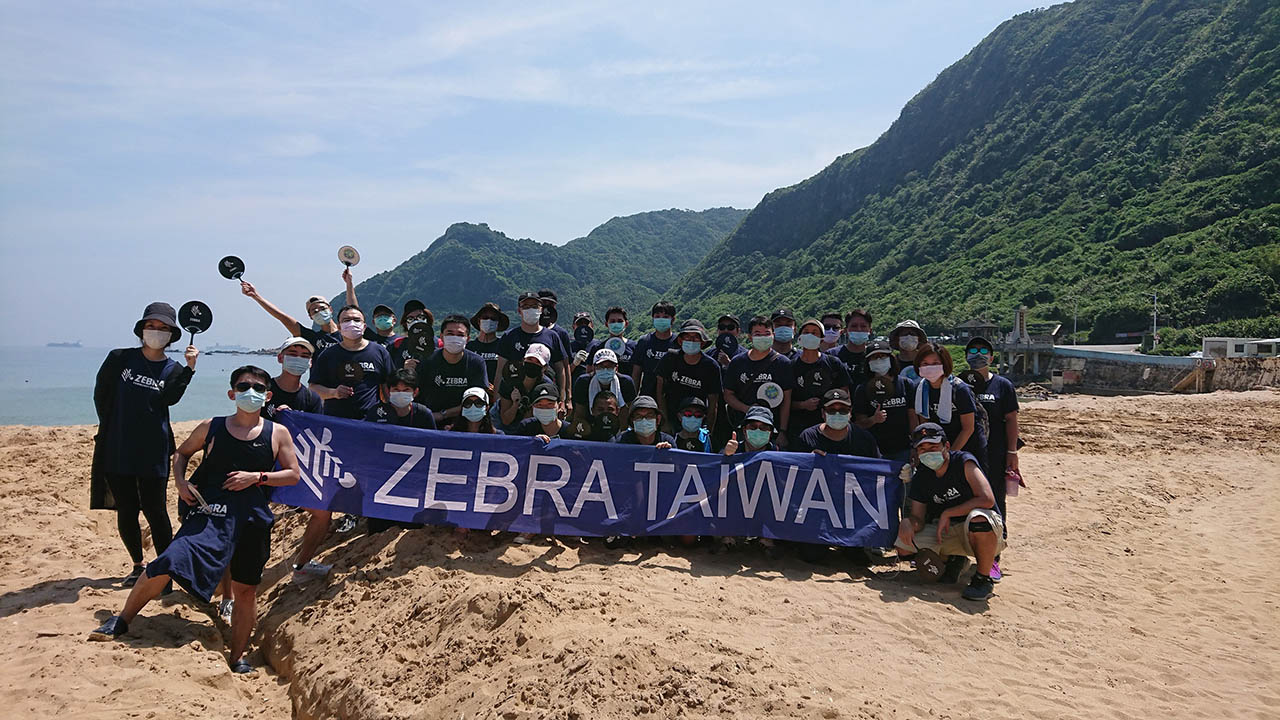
{"x":545,"y":294}
{"x":539,"y":352}
{"x":530,"y":295}
{"x":759,"y":413}
{"x":544,"y":391}
{"x":644,"y":401}
{"x":979,"y":341}
{"x":296,"y":341}
{"x":835,"y":395}
{"x":693,"y":401}
{"x":878,"y":347}
{"x":605,"y":355}
{"x":729,"y":318}
{"x":416,"y":305}
{"x":386,"y":308}
{"x":584,"y":315}
{"x":476,"y":392}
{"x":812,"y":321}
{"x":928,"y":433}
{"x":782,"y":313}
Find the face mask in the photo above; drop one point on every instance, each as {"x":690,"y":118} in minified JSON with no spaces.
{"x":662,"y":324}
{"x":584,"y":334}
{"x":831,"y":337}
{"x":880,"y":365}
{"x":758,"y":438}
{"x":322,"y":317}
{"x":488,"y":326}
{"x":616,"y":328}
{"x":932,"y":460}
{"x":383,"y":322}
{"x":645,"y":426}
{"x":761,"y":342}
{"x":156,"y":339}
{"x":908,"y":342}
{"x":857,"y":337}
{"x":401,"y":399}
{"x":690,"y":423}
{"x":691,"y":347}
{"x":417,"y":320}
{"x":810,"y":342}
{"x":838,"y":421}
{"x":931,"y":372}
{"x":784,"y":334}
{"x":295,"y":365}
{"x":530,"y":316}
{"x":977,"y":361}
{"x":454,"y":343}
{"x":352,"y":330}
{"x":605,"y":375}
{"x":544,"y":415}
{"x":532,"y":371}
{"x":250,"y":400}
{"x":474,"y":413}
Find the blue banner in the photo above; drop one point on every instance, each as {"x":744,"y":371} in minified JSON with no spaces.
{"x":568,"y":487}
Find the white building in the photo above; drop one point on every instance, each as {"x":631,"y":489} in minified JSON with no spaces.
{"x":1228,"y":347}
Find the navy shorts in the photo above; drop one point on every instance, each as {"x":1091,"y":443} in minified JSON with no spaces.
{"x":253,"y":549}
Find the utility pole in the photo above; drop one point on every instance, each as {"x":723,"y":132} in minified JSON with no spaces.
{"x":1075,"y":318}
{"x":1155,"y":307}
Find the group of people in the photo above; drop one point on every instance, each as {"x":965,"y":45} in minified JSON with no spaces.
{"x":824,"y":385}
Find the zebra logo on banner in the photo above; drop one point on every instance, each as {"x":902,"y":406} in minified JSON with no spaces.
{"x":316,"y":461}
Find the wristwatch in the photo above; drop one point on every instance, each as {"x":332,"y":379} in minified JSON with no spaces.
{"x":262,"y":479}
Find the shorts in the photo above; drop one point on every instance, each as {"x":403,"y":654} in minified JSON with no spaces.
{"x":253,"y":549}
{"x":956,"y":539}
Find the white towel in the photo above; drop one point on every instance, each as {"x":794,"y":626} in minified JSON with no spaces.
{"x":944,"y":400}
{"x":593,"y":387}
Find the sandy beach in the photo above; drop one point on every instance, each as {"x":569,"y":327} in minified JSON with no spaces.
{"x":1141,"y":582}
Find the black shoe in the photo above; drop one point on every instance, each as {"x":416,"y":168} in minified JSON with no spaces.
{"x":111,"y":629}
{"x":980,"y":588}
{"x":241,"y":666}
{"x":614,"y":542}
{"x":132,"y":578}
{"x":956,"y":564}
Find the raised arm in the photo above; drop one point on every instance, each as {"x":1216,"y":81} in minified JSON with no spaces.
{"x":287,"y":320}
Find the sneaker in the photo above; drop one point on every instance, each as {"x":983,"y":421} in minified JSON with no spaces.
{"x":313,"y":568}
{"x":132,"y":578}
{"x":523,"y":539}
{"x":612,"y":542}
{"x":980,"y":588}
{"x":225,"y":608}
{"x":956,"y":564}
{"x":996,"y":575}
{"x":346,"y":524}
{"x":111,"y":629}
{"x":241,"y":666}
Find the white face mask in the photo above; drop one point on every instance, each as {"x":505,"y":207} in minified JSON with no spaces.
{"x":880,"y":365}
{"x":488,"y":326}
{"x":156,"y":339}
{"x":930,"y":372}
{"x":400,"y":399}
{"x":908,"y":342}
{"x":531,"y":316}
{"x":809,"y":342}
{"x":454,"y":343}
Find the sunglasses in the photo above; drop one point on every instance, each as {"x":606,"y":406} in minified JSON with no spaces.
{"x":693,"y":413}
{"x":473,"y":402}
{"x":727,"y":328}
{"x":981,"y":351}
{"x":244,"y":387}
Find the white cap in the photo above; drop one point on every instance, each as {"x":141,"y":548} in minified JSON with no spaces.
{"x":603,"y":355}
{"x":476,"y":392}
{"x":539,"y":352}
{"x":296,"y":341}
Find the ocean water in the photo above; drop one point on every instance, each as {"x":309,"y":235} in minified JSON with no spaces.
{"x":54,"y":386}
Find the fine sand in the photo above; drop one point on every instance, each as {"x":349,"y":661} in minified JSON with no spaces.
{"x":1141,"y":583}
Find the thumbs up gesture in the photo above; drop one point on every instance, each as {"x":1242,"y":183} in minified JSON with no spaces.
{"x":731,"y":447}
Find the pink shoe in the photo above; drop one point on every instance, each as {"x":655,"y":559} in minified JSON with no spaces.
{"x":995,"y":572}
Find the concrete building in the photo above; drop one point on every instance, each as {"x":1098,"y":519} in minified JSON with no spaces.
{"x":1232,"y":347}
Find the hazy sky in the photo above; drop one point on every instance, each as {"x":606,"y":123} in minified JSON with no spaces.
{"x":142,"y":141}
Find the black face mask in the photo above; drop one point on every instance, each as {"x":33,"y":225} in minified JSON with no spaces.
{"x":532,"y":371}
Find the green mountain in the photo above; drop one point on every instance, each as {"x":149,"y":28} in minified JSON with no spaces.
{"x":628,"y":261}
{"x":1103,"y":149}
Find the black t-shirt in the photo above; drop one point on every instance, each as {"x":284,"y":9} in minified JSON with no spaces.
{"x":371,"y":334}
{"x":998,"y":398}
{"x":327,"y":371}
{"x":893,"y":436}
{"x":302,"y":400}
{"x":620,"y":346}
{"x":948,"y":491}
{"x":857,"y":442}
{"x":419,"y":416}
{"x":813,"y":380}
{"x":515,"y":341}
{"x":488,"y":351}
{"x":962,"y":403}
{"x":628,"y":437}
{"x":529,"y":427}
{"x":854,"y":362}
{"x":681,"y":380}
{"x":745,"y":377}
{"x":138,"y":439}
{"x":582,"y":390}
{"x":648,"y":352}
{"x":319,"y":340}
{"x":441,"y":383}
{"x":517,"y":391}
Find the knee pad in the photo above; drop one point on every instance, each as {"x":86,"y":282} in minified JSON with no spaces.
{"x":978,"y":525}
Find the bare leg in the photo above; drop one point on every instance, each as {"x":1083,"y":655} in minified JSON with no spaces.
{"x":317,"y":528}
{"x":984,"y":549}
{"x":142,"y":593}
{"x":242,"y":617}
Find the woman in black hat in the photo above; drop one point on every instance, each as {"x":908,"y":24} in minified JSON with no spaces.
{"x":133,"y":392}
